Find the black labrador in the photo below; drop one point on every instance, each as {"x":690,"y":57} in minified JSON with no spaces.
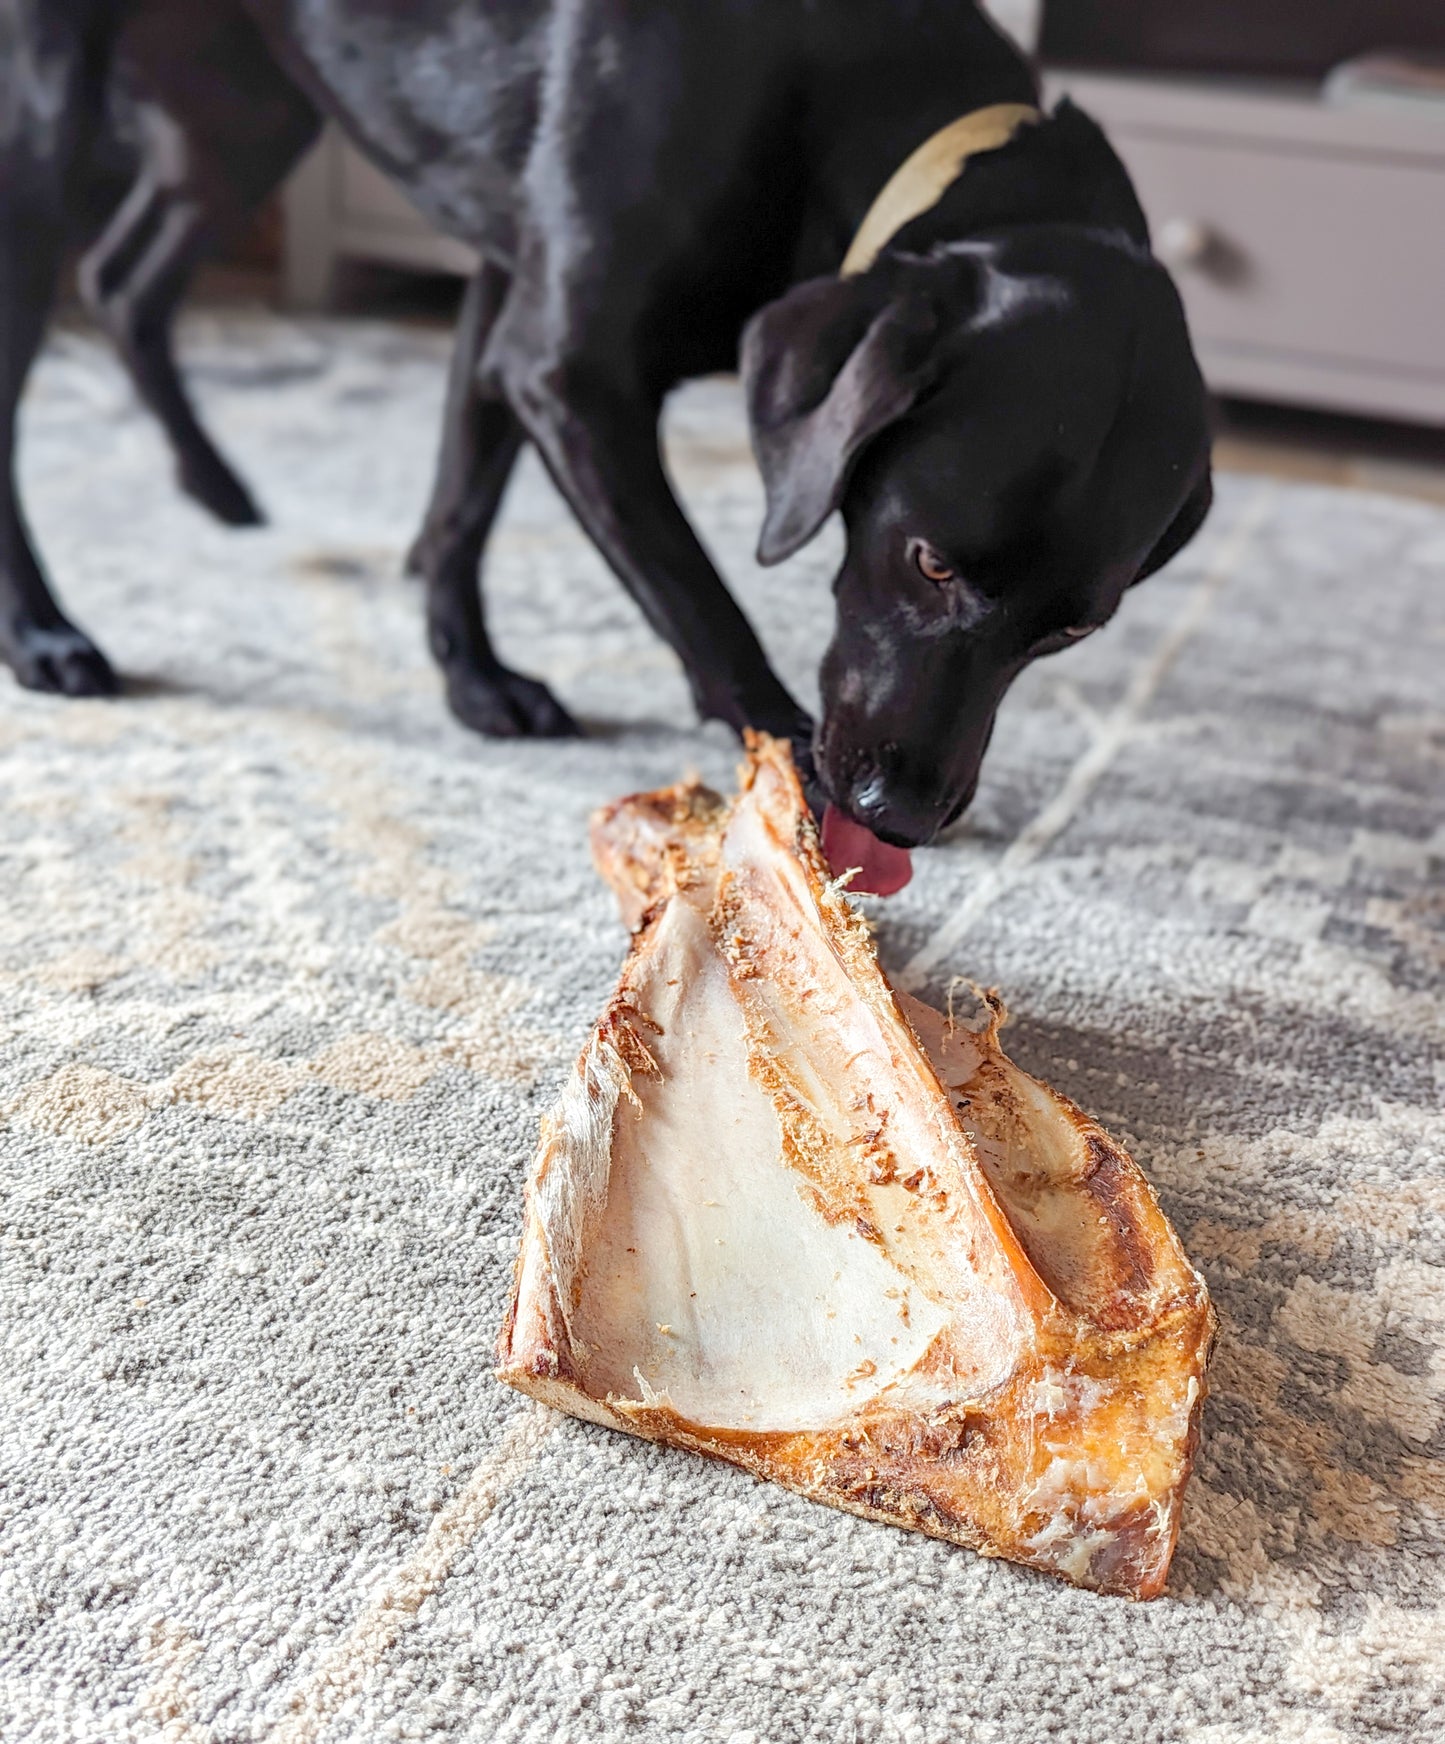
{"x":1004,"y":404}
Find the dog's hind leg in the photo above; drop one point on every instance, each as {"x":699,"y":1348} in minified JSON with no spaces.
{"x":133,"y":280}
{"x":221,"y":124}
{"x":480,"y":441}
{"x":51,"y":66}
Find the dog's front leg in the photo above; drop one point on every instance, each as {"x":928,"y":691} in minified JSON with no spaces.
{"x":480,"y":441}
{"x":597,"y":431}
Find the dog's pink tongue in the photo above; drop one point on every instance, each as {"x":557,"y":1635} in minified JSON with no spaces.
{"x":882,"y":868}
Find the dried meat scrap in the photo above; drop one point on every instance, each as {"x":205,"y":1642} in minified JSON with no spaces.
{"x":786,"y":1217}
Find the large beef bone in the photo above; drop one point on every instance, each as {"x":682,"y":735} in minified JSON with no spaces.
{"x":785,"y":1216}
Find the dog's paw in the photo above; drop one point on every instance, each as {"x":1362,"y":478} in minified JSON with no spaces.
{"x":62,"y":660}
{"x":505,"y":705}
{"x":212,"y":484}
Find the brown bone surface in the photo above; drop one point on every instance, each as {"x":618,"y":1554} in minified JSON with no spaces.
{"x":785,"y":1216}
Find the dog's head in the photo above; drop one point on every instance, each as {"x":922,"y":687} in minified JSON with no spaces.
{"x":1015,"y":431}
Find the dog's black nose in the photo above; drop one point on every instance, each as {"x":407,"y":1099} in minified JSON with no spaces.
{"x":880,"y":801}
{"x":869,"y":796}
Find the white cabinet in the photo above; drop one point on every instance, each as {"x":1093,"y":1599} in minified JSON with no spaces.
{"x":1308,"y":242}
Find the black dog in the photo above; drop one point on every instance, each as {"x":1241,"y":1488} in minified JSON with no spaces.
{"x":1004,"y":404}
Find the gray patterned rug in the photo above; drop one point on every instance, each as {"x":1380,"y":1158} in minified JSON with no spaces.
{"x":291,"y":965}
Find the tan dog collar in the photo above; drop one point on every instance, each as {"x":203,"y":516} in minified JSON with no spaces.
{"x":919,"y":183}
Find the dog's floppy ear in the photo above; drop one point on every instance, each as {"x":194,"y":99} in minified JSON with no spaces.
{"x":826,"y":368}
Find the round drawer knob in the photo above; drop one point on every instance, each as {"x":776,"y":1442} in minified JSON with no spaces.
{"x":1185,"y":242}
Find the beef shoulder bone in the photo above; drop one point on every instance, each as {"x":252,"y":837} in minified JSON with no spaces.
{"x":785,"y":1216}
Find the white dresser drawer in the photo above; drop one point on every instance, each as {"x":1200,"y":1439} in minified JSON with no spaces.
{"x":1325,"y":256}
{"x":1308,"y":244}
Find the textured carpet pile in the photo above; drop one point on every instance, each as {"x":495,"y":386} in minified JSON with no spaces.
{"x":290,"y":965}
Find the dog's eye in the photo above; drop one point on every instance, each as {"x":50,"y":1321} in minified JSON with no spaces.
{"x":929,"y":564}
